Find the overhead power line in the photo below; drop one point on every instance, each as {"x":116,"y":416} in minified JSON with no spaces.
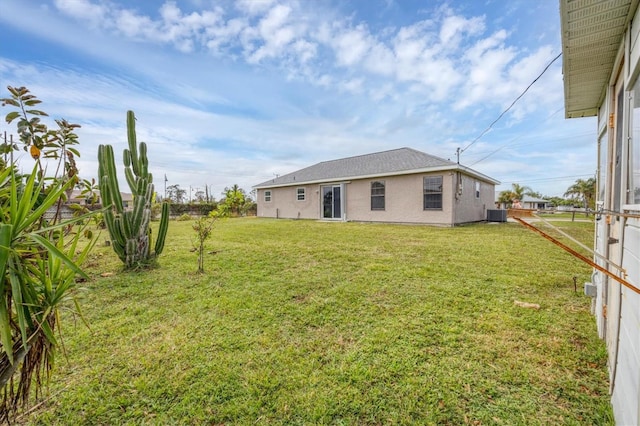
{"x":550,"y":179}
{"x":484,"y":132}
{"x":512,"y":142}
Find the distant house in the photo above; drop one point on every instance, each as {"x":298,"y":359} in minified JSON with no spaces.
{"x":527,"y":202}
{"x":601,"y":65}
{"x":534,"y":203}
{"x":402,"y":185}
{"x":78,"y":198}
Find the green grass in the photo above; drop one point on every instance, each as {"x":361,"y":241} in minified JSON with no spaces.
{"x":303,"y":322}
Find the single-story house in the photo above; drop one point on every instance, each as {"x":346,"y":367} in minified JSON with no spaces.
{"x":528,"y":202}
{"x":601,"y":65}
{"x":533,"y":203}
{"x":401,"y":185}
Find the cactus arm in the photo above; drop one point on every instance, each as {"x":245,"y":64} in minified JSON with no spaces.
{"x":117,"y":240}
{"x":144,"y":161}
{"x":126,"y":224}
{"x":112,"y":176}
{"x":128,"y":173}
{"x":118,"y":233}
{"x":131,"y":180}
{"x":162,"y":230}
{"x":131,"y":137}
{"x":138,"y":214}
{"x":105,"y":193}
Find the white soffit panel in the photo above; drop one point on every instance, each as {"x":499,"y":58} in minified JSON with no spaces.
{"x":592,"y":31}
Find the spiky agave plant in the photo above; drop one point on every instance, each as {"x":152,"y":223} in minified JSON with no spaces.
{"x":39,"y":254}
{"x":38,"y":271}
{"x":130,"y":229}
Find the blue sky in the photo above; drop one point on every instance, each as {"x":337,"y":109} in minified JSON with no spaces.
{"x":236,"y":92}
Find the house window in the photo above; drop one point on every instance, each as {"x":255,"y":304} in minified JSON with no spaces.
{"x":377,"y":195}
{"x":300,"y":194}
{"x":602,"y":165}
{"x":267,"y":196}
{"x":477,"y":189}
{"x":634,"y":155}
{"x":433,"y":193}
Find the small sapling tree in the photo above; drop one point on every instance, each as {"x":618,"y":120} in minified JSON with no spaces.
{"x":203,"y":227}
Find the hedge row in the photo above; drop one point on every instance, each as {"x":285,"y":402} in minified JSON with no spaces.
{"x":192,"y":209}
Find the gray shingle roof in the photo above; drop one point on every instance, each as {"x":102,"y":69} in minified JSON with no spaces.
{"x":402,"y":160}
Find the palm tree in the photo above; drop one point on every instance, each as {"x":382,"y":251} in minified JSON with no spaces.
{"x":584,"y":191}
{"x":516,"y":193}
{"x":519,"y":191}
{"x":505,"y":198}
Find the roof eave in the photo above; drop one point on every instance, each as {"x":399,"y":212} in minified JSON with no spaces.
{"x":454,"y":167}
{"x":590,"y":50}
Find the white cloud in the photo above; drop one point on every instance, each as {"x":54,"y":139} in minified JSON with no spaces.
{"x":281,"y":79}
{"x":380,"y":60}
{"x":137,"y":26}
{"x":223,"y":34}
{"x":353,"y":86}
{"x":83,"y":9}
{"x":352,"y":45}
{"x":453,"y":27}
{"x":254,"y":7}
{"x":274,"y":32}
{"x":305,"y":50}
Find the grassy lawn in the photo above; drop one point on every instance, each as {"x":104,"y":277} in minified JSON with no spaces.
{"x":303,"y":322}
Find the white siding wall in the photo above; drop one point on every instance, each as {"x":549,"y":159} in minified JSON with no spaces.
{"x":626,"y":381}
{"x":598,"y":278}
{"x":621,"y":326}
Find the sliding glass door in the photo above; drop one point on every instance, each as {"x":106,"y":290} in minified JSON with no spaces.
{"x":331,"y":202}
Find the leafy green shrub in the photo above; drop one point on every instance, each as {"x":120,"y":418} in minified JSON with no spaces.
{"x":194,"y":209}
{"x":98,"y":220}
{"x":184,"y":217}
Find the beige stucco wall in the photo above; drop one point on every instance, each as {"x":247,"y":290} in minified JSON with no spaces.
{"x":284,"y":203}
{"x":468,"y":208}
{"x":403,"y":201}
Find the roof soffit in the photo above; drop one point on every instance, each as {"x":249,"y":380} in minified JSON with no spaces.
{"x":592,"y":31}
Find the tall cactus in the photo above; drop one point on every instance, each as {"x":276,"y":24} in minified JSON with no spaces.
{"x":129,"y":229}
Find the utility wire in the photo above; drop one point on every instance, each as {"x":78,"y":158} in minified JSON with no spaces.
{"x":555,"y":178}
{"x":510,"y":143}
{"x":484,"y":132}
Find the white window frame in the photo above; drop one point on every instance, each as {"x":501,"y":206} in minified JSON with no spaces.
{"x":377,"y":195}
{"x":431,"y":191}
{"x":631,"y":201}
{"x":303,"y":194}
